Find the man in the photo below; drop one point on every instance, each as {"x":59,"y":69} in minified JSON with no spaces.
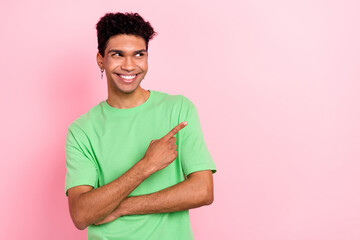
{"x":138,"y":161}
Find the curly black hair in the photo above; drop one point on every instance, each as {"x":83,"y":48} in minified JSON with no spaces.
{"x":112,"y":24}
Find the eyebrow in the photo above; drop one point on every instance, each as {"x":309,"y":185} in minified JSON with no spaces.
{"x":122,"y":52}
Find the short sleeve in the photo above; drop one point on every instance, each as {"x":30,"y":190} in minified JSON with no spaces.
{"x":193,"y":152}
{"x":80,"y":165}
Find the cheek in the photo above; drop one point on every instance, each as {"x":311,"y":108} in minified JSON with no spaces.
{"x":143,"y":66}
{"x":111,"y":63}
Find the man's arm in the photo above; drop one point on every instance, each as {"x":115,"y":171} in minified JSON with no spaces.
{"x":196,"y":191}
{"x":88,"y":205}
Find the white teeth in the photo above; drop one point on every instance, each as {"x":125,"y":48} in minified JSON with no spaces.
{"x":128,"y":77}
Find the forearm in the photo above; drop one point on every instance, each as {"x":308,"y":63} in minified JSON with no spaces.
{"x":182,"y":196}
{"x":98,"y":203}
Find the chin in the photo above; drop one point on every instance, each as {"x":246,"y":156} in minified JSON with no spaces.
{"x":126,"y":90}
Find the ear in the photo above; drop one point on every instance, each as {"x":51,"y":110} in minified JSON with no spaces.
{"x":100,"y":60}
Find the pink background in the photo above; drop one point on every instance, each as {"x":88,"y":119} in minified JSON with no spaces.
{"x":276,"y":84}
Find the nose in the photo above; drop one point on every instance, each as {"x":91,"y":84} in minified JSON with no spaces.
{"x":128,"y":64}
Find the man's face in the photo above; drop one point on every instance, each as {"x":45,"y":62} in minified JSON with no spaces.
{"x":125,"y":62}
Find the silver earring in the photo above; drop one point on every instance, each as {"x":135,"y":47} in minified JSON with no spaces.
{"x":102,"y":71}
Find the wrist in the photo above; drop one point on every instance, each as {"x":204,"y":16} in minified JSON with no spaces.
{"x":122,"y":210}
{"x":145,"y":168}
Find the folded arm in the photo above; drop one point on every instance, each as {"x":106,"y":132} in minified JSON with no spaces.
{"x":195,"y":191}
{"x":88,"y":205}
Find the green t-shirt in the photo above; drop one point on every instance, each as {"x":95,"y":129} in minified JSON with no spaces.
{"x":105,"y":142}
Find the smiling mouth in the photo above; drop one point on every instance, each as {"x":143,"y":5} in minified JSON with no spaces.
{"x":127,"y":78}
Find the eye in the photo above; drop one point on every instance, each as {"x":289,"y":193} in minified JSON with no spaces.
{"x":117,"y":55}
{"x":139,"y":55}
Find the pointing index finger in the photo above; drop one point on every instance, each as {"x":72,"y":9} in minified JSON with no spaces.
{"x":175,"y":130}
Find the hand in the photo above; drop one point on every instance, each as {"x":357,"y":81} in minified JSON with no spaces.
{"x":118,"y":212}
{"x":111,"y":217}
{"x":162,"y":152}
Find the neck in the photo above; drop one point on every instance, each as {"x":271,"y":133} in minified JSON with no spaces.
{"x":128,"y":100}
